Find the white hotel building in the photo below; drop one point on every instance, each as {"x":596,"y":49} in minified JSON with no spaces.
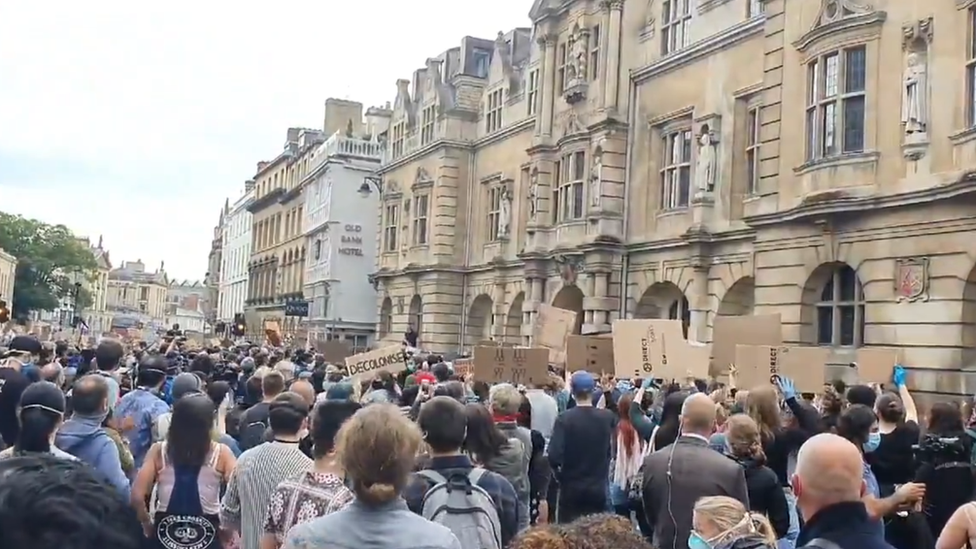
{"x":236,"y":253}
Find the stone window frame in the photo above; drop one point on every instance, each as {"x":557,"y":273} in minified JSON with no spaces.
{"x":419,"y":220}
{"x":670,"y":196}
{"x":391,"y":227}
{"x":836,"y":303}
{"x":494,"y":107}
{"x":817,"y":103}
{"x":675,"y":14}
{"x":753,"y":144}
{"x":755,"y":8}
{"x":428,"y":120}
{"x":969,"y":109}
{"x":398,"y":138}
{"x":570,"y":172}
{"x":595,"y":39}
{"x":532,"y":91}
{"x":562,"y":60}
{"x":494,"y":193}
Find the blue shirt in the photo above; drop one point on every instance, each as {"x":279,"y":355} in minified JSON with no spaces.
{"x":139,"y":408}
{"x":874,"y":489}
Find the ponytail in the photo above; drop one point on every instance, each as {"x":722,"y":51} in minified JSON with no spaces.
{"x":760,"y":524}
{"x":36,"y":426}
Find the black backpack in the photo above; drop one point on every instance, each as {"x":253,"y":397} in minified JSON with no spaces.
{"x":251,"y":434}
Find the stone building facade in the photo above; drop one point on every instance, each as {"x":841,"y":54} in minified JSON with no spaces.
{"x":8,"y":272}
{"x":643,"y":159}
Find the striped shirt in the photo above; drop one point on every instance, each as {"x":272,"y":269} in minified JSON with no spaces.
{"x":258,"y":472}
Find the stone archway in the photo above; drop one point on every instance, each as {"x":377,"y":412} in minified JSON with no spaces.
{"x":571,"y":299}
{"x":479,"y":321}
{"x":415,"y":316}
{"x":740,"y":299}
{"x":386,"y":318}
{"x":664,"y":300}
{"x":969,"y":319}
{"x":513,"y":321}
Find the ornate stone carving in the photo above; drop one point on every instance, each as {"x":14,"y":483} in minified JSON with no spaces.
{"x":916,"y":92}
{"x":832,"y":10}
{"x":596,"y":176}
{"x":535,"y":194}
{"x":505,"y":214}
{"x":647,"y":29}
{"x":920,"y":31}
{"x":422,"y":176}
{"x":576,"y":83}
{"x":912,"y":279}
{"x":572,"y":123}
{"x":569,"y":268}
{"x":914,"y":106}
{"x":706,"y":163}
{"x":399,"y":304}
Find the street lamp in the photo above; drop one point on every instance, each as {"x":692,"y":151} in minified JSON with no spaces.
{"x":369,"y":182}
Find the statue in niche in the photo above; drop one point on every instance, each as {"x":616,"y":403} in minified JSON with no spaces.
{"x":579,"y":55}
{"x":505,"y":214}
{"x":534,"y":194}
{"x":913,"y":106}
{"x":571,"y":68}
{"x":596,"y":176}
{"x":705,"y":169}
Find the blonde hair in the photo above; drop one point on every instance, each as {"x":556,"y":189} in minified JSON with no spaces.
{"x":731,"y":517}
{"x":377,"y":448}
{"x":505,"y":399}
{"x":762,"y":405}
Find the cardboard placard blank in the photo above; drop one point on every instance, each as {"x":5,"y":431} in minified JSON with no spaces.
{"x":591,"y":353}
{"x":756,"y":364}
{"x":729,"y":331}
{"x":392,"y":359}
{"x":551,"y":328}
{"x":515,"y":365}
{"x":655,"y":348}
{"x":875,"y":364}
{"x":333,"y":351}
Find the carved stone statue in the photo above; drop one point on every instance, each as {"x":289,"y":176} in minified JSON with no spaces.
{"x":914,"y":106}
{"x":505,"y":214}
{"x":596,"y":177}
{"x":705,"y":169}
{"x":579,"y":55}
{"x":534,"y":194}
{"x":571,"y":67}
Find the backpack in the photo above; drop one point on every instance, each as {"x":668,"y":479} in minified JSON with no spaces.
{"x":972,"y":454}
{"x":252,"y":434}
{"x":465,"y":508}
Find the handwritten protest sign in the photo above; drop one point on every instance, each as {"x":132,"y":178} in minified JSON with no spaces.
{"x":516,"y":365}
{"x":757,"y":364}
{"x":463,"y":366}
{"x":551,"y":328}
{"x":391,"y":359}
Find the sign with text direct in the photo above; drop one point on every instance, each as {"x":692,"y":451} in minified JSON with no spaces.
{"x":515,"y":365}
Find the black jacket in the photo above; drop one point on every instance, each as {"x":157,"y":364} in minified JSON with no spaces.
{"x":766,"y":495}
{"x":846,"y":524}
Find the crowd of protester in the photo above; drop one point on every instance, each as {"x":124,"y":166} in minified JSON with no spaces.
{"x":253,"y":447}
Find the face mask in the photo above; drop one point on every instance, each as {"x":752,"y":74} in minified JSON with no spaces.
{"x":874,"y":440}
{"x":695,"y":541}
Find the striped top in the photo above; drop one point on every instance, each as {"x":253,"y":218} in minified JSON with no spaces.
{"x":258,"y":472}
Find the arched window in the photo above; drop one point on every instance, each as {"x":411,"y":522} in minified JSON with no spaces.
{"x":840,"y":312}
{"x":386,"y":318}
{"x":679,"y":310}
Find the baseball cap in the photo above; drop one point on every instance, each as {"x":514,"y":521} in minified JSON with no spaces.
{"x":185,"y":384}
{"x":582,"y":382}
{"x":44,"y":395}
{"x":25,"y":344}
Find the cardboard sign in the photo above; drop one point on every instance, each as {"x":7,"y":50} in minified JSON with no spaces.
{"x":334,"y":351}
{"x":756,"y":364}
{"x":729,"y":331}
{"x":551,"y":328}
{"x":391,"y":359}
{"x":591,"y":353}
{"x":875,"y":364}
{"x":515,"y":365}
{"x":655,"y":348}
{"x":463,"y":367}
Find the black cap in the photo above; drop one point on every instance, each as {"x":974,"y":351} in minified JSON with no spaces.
{"x":44,"y":395}
{"x":25,"y":344}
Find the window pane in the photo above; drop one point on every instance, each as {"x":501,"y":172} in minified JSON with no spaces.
{"x":579,"y":165}
{"x":813,"y":80}
{"x":971,"y":93}
{"x":829,"y":127}
{"x":753,"y":126}
{"x":825,"y":325}
{"x":854,"y":70}
{"x":666,"y":12}
{"x":684,"y":185}
{"x":577,"y":200}
{"x":812,"y":133}
{"x":686,"y":146}
{"x":831,"y":72}
{"x":751,"y":169}
{"x":854,"y":124}
{"x":848,"y":284}
{"x":827,"y":294}
{"x":846,"y":324}
{"x":556,"y":169}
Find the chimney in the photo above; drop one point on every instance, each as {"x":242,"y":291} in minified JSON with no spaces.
{"x":340,"y":113}
{"x":249,"y":185}
{"x":262,"y":165}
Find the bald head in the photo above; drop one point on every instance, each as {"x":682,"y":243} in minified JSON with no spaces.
{"x":829,"y":470}
{"x":698,"y":415}
{"x":304,"y":389}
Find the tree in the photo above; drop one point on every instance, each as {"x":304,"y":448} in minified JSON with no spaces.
{"x":49,"y":261}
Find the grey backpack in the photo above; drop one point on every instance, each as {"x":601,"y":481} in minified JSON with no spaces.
{"x":464,"y":508}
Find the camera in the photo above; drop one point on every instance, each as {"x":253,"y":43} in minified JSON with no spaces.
{"x":938,"y":450}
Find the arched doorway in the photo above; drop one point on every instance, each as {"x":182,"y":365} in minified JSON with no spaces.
{"x":571,"y":299}
{"x":478,"y":327}
{"x":832,"y":311}
{"x":386,"y":318}
{"x":415,"y":316}
{"x":513,"y":321}
{"x":969,"y":319}
{"x":665,"y":300}
{"x":740,"y":299}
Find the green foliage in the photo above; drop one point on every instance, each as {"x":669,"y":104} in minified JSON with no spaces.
{"x":84,"y":299}
{"x":49,"y":261}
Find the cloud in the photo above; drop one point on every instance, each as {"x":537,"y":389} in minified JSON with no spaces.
{"x":136,"y":120}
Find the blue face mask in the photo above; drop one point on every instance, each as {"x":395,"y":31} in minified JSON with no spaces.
{"x":874,"y":440}
{"x":695,"y":541}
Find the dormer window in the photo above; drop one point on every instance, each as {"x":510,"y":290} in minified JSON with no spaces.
{"x":493,"y":111}
{"x":481,"y":61}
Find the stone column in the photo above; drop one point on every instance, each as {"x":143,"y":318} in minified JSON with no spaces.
{"x":590,"y":290}
{"x":612,"y":53}
{"x":530,"y":308}
{"x":548,"y":88}
{"x":498,"y":314}
{"x":698,"y":300}
{"x":600,"y":290}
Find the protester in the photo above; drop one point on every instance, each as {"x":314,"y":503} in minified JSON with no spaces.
{"x":255,"y":420}
{"x":720,"y":521}
{"x":489,"y":447}
{"x":84,"y":436}
{"x":261,"y":469}
{"x":41,"y":413}
{"x":108,"y":356}
{"x":318,"y":492}
{"x":13,"y":382}
{"x":505,"y":401}
{"x":183,"y":384}
{"x":137,"y":411}
{"x":766,"y":496}
{"x":51,"y":503}
{"x":376,"y":449}
{"x":678,"y":475}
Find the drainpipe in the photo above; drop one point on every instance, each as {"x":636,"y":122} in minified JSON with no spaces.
{"x":631,"y":140}
{"x":467,"y":247}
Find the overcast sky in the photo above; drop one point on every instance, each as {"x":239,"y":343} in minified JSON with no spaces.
{"x":135,"y":120}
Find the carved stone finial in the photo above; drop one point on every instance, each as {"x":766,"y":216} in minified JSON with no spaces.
{"x":915,"y":32}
